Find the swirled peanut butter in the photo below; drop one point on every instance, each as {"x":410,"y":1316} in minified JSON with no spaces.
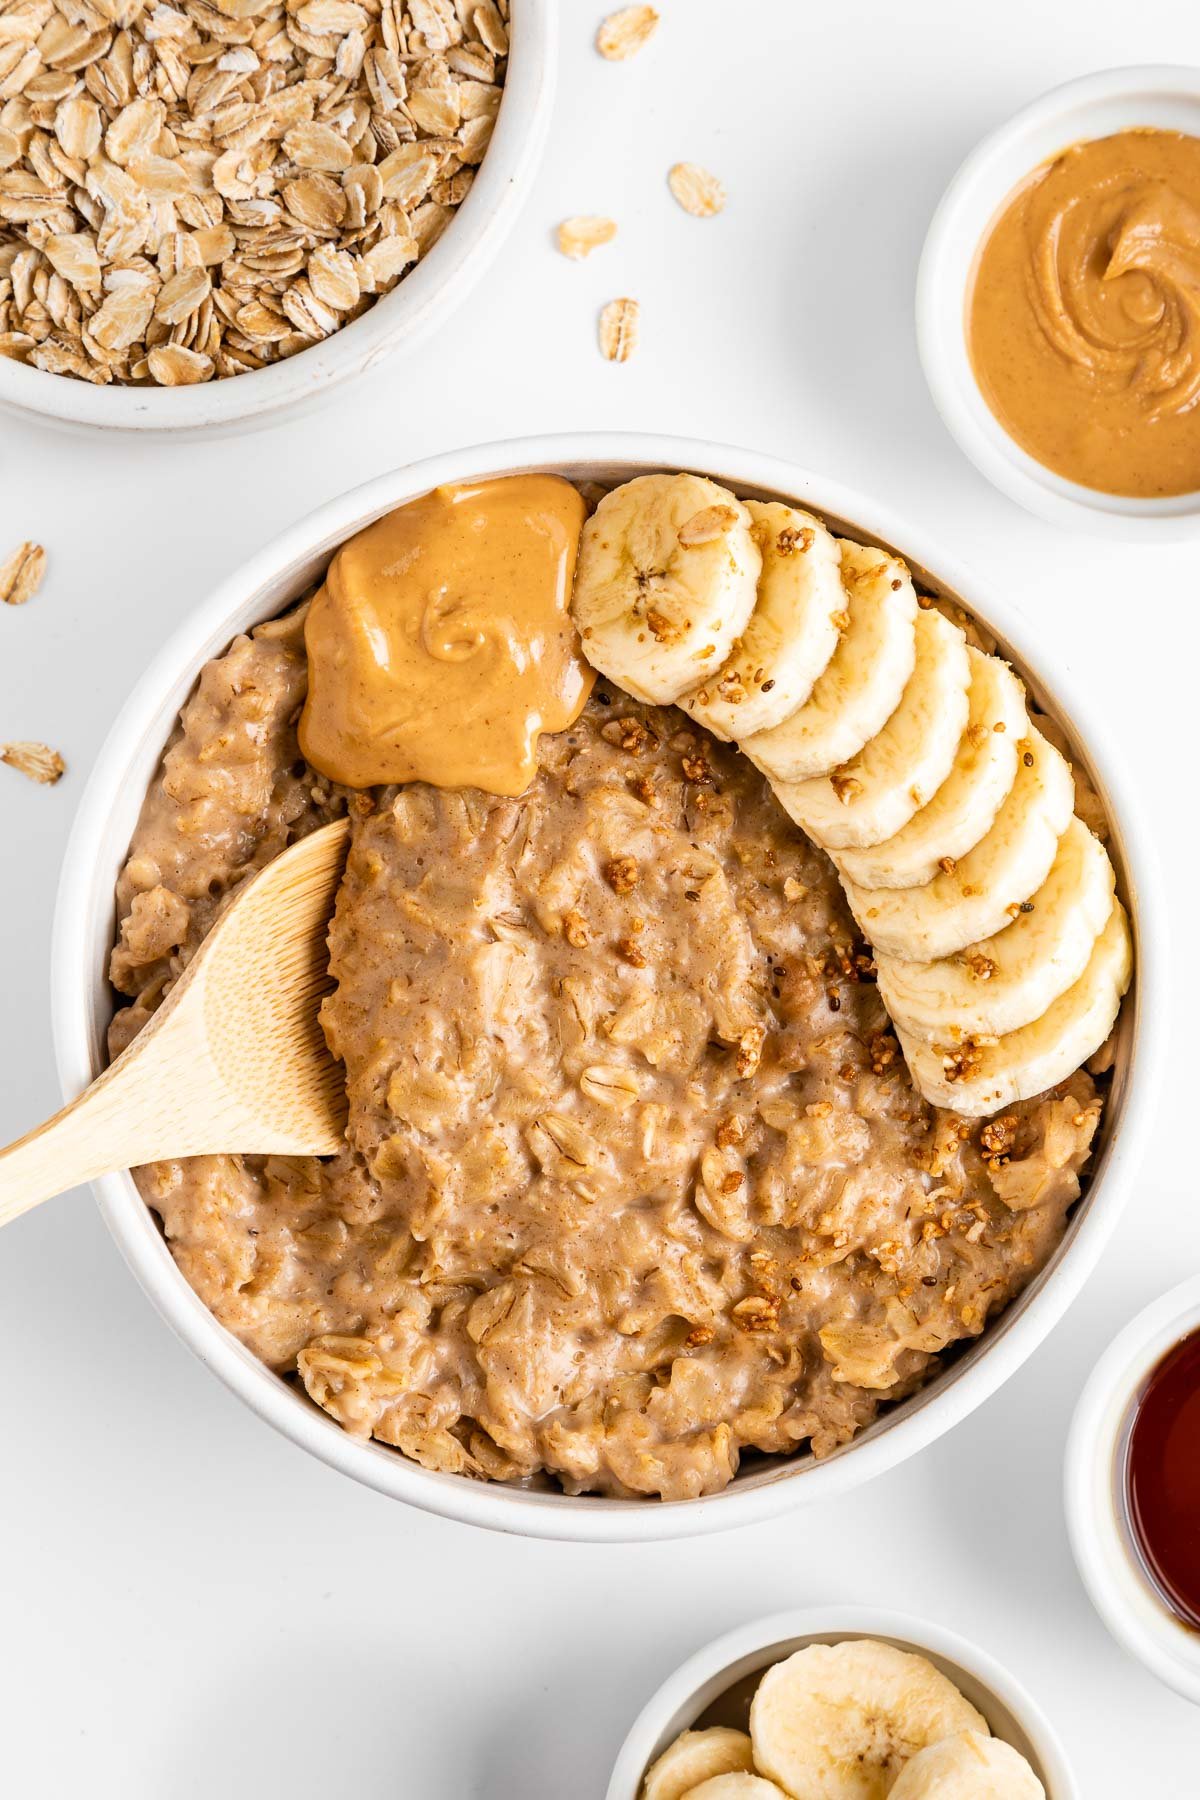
{"x":1084,"y":314}
{"x":441,"y":644}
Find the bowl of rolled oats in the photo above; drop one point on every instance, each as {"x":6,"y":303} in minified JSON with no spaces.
{"x":673,"y":1273}
{"x":211,"y":214}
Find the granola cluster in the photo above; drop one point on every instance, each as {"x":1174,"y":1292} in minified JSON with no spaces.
{"x":194,"y":190}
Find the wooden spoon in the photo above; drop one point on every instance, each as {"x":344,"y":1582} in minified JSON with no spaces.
{"x":234,"y":1059}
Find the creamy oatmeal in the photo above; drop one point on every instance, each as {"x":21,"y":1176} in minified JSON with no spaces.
{"x":636,"y":1180}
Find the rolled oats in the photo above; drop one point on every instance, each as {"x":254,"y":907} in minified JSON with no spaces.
{"x":625,"y":32}
{"x":383,"y":263}
{"x":698,"y":192}
{"x":619,"y":326}
{"x":21,"y":575}
{"x":173,"y":366}
{"x":579,"y":236}
{"x":332,"y":278}
{"x":609,"y":1085}
{"x":577,"y":1145}
{"x":313,"y":146}
{"x":179,"y":297}
{"x":37,"y":761}
{"x":190,"y":191}
{"x":491,"y":28}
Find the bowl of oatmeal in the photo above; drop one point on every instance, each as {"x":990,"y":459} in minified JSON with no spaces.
{"x":548,"y":1308}
{"x":208,"y":222}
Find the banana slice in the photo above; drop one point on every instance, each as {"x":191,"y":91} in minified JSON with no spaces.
{"x":861,"y":688}
{"x":876,"y":793}
{"x":977,"y":1076}
{"x":792,"y":631}
{"x":664,"y":583}
{"x":839,"y":1721}
{"x":964,"y":807}
{"x":736,"y":1787}
{"x":978,"y":897}
{"x":697,"y":1756}
{"x":1009,"y":980}
{"x":968,"y":1767}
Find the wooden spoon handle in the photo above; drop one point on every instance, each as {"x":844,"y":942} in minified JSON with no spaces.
{"x":128,"y":1116}
{"x":138,"y":1110}
{"x":233,"y":1059}
{"x":87,"y":1138}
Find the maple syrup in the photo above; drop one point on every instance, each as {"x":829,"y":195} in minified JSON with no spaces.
{"x":1162,"y":1478}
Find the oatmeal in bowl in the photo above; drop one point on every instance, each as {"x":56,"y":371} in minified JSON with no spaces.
{"x":640,"y":1201}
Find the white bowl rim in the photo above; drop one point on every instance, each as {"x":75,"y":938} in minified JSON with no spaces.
{"x":818,"y":1622}
{"x":554,"y":1515}
{"x":955,"y":231}
{"x":419,"y":304}
{"x":1108,"y":1566}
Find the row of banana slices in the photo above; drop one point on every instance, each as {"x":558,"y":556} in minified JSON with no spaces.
{"x":849,"y":1721}
{"x":905,"y":752}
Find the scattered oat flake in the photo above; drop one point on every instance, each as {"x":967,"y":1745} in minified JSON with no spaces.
{"x":579,"y":236}
{"x":619,"y":324}
{"x":697,"y":191}
{"x":22,"y":574}
{"x":37,"y":761}
{"x":625,"y":32}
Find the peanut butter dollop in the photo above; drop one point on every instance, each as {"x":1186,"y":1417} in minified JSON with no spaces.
{"x":441,"y":643}
{"x":1084,"y":314}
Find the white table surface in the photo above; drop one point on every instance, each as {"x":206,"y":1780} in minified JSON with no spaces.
{"x":188,"y":1605}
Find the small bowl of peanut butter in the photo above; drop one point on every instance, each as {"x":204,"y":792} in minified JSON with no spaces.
{"x":1058,"y":304}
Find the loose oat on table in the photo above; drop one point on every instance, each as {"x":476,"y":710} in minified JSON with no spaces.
{"x":620,"y":322}
{"x":193,"y":191}
{"x":616,"y":1225}
{"x":21,"y":575}
{"x":697,"y":191}
{"x":625,"y":32}
{"x":579,"y":236}
{"x":36,"y":760}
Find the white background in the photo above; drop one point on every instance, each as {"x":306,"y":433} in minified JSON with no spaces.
{"x":188,"y":1605}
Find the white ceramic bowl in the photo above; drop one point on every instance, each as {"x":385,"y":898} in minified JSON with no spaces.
{"x":418,"y":305}
{"x":82,"y":1000}
{"x":700,"y":1690}
{"x":1095,"y":106}
{"x":1094,"y":1488}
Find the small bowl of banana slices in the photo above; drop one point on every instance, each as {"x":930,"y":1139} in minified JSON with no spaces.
{"x":841,"y":1704}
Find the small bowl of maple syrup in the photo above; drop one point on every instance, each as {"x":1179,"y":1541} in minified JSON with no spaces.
{"x":1133,"y":1488}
